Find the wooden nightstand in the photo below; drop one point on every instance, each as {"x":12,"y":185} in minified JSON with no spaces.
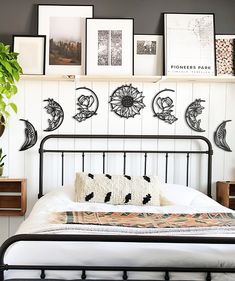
{"x":225,"y":193}
{"x":12,"y":197}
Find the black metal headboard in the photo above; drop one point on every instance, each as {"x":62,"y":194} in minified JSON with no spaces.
{"x":124,"y":152}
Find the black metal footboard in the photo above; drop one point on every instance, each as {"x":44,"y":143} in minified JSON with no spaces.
{"x":124,"y":270}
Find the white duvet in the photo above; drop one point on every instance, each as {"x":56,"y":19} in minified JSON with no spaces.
{"x":185,"y":200}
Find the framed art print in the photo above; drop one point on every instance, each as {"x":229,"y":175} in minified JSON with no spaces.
{"x":225,"y":54}
{"x":189,"y":44}
{"x":148,"y":54}
{"x":109,"y":45}
{"x":31,"y":51}
{"x":64,"y":26}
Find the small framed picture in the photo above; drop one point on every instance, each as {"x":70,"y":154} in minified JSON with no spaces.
{"x":148,"y":54}
{"x":64,"y":26}
{"x":31,"y":51}
{"x":189,"y":41}
{"x":225,"y":55}
{"x":109,"y":45}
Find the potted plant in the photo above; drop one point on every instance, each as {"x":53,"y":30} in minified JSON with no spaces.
{"x":10,"y":71}
{"x":1,"y":162}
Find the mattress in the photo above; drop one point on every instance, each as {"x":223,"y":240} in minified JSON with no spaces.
{"x":184,"y":200}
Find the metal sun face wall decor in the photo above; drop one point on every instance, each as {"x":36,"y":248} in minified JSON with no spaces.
{"x":87,"y":105}
{"x":193,"y":110}
{"x":56,"y":111}
{"x":165,"y":104}
{"x":31,"y":135}
{"x":126,"y":101}
{"x":220,"y":136}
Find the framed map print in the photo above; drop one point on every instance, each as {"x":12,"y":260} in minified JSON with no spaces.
{"x":64,"y":27}
{"x":189,"y":44}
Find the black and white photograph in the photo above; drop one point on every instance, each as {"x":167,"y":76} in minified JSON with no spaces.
{"x":145,"y":47}
{"x":189,"y":44}
{"x":148,"y":54}
{"x":114,"y":41}
{"x":64,"y":27}
{"x":109,"y":47}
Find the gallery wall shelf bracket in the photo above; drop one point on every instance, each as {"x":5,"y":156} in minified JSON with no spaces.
{"x":126,"y":101}
{"x":87,"y":105}
{"x":220,"y":136}
{"x":54,"y":109}
{"x":193,"y":110}
{"x":31,"y":135}
{"x":165,"y":104}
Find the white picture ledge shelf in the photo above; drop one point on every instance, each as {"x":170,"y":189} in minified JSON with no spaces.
{"x":151,"y":79}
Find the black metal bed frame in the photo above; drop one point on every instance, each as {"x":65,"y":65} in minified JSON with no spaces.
{"x":124,"y":270}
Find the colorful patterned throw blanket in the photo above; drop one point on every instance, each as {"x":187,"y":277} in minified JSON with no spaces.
{"x":147,"y":220}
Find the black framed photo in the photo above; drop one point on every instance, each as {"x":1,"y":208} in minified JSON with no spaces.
{"x":109,"y":46}
{"x":31,"y":51}
{"x":64,"y":26}
{"x":189,"y":41}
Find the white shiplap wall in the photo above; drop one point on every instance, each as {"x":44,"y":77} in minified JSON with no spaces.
{"x":219,"y":106}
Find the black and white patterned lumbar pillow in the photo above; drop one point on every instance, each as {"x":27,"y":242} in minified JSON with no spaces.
{"x":117,"y":190}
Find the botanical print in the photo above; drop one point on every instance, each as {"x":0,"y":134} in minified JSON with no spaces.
{"x":65,"y":41}
{"x":110,"y":47}
{"x":225,"y":56}
{"x":146,"y":47}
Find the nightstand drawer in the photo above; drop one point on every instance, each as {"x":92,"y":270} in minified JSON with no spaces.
{"x":232,"y":189}
{"x":232,"y":203}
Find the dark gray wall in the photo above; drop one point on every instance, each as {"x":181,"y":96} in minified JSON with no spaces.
{"x":20,"y":16}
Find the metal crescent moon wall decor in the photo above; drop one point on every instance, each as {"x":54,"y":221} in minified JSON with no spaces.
{"x":220,"y":136}
{"x":87,"y":105}
{"x":193,"y":110}
{"x":31,"y":135}
{"x":126,"y":101}
{"x":165,"y":104}
{"x":56,"y":111}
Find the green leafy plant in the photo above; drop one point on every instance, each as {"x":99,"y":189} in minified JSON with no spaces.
{"x":10,"y":71}
{"x":1,"y":158}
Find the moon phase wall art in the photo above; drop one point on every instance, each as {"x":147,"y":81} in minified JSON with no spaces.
{"x":193,"y":110}
{"x":126,"y":101}
{"x":162,"y":107}
{"x":87,"y":105}
{"x":220,"y":136}
{"x":31,"y":136}
{"x":54,"y":109}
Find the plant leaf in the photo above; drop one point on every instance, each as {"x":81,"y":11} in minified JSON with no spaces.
{"x":13,"y":106}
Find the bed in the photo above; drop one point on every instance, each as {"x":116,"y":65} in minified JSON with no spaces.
{"x":42,"y":250}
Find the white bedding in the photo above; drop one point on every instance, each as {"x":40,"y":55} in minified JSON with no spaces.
{"x":185,"y":200}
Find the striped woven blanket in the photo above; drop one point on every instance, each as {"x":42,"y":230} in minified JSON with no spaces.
{"x":147,"y":220}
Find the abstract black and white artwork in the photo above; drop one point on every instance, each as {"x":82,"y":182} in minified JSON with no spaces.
{"x":146,"y":47}
{"x":109,"y":47}
{"x":31,"y":135}
{"x":220,"y":136}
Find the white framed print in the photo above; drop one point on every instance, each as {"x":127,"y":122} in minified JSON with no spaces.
{"x":148,"y":54}
{"x":31,"y":50}
{"x":225,"y":54}
{"x":64,"y":26}
{"x":109,"y":46}
{"x":189,"y":41}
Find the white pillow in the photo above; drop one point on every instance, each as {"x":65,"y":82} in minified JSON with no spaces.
{"x":117,"y":190}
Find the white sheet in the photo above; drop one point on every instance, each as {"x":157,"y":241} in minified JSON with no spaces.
{"x":188,"y":201}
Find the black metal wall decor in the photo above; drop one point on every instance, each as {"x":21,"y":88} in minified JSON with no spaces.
{"x":126,"y":101}
{"x":220,"y":136}
{"x":165,"y":104}
{"x":31,"y":135}
{"x":193,"y":110}
{"x":87,"y":105}
{"x":56,"y":111}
